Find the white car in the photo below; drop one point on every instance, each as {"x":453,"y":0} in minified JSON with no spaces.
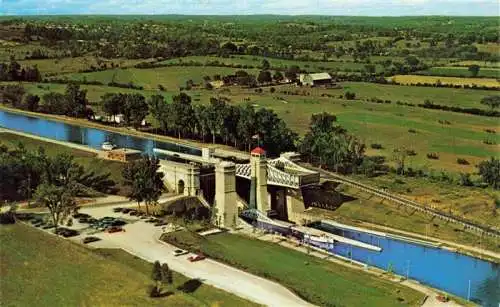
{"x":179,"y":252}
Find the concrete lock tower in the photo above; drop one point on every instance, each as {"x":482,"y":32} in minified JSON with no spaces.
{"x":225,"y":194}
{"x":258,"y":186}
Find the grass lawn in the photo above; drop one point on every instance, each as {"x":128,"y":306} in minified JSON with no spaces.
{"x":414,"y":79}
{"x":87,"y":159}
{"x":460,"y":72}
{"x":170,"y":77}
{"x":318,"y":281}
{"x":48,"y":270}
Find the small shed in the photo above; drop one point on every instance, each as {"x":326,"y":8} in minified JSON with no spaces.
{"x":122,"y":154}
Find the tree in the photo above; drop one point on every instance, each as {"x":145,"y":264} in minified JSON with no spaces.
{"x":350,"y":95}
{"x":370,"y":68}
{"x":399,"y":155}
{"x":58,"y":200}
{"x":156,"y":275}
{"x":54,"y":103}
{"x":291,"y":73}
{"x":12,"y":94}
{"x":246,"y":124}
{"x":202,"y":120}
{"x":181,"y":114}
{"x":216,"y":113}
{"x":135,"y":109}
{"x":31,"y":102}
{"x":166,"y":274}
{"x":112,"y":104}
{"x":474,"y":70}
{"x":144,"y":180}
{"x":491,"y":101}
{"x":159,"y":108}
{"x":76,"y":100}
{"x":490,"y":172}
{"x":278,"y":76}
{"x":264,"y":77}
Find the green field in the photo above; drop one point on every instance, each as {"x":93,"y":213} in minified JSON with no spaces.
{"x":461,"y":72}
{"x":319,"y":281}
{"x":388,"y":124}
{"x":48,"y":270}
{"x":170,"y":77}
{"x":86,"y":159}
{"x":76,"y":64}
{"x":256,"y":61}
{"x":465,"y":98}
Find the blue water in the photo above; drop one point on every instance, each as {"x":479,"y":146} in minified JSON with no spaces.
{"x":436,"y":267}
{"x":85,"y":136}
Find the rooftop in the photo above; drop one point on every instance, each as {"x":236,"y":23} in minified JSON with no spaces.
{"x":258,"y":150}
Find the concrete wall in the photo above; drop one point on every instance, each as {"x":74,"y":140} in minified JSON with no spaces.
{"x":225,"y":195}
{"x":177,"y":173}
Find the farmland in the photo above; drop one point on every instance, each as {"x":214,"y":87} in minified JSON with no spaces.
{"x":414,"y":79}
{"x":461,"y":72}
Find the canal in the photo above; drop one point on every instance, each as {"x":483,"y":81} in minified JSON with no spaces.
{"x":459,"y":274}
{"x":91,"y":137}
{"x":455,"y":273}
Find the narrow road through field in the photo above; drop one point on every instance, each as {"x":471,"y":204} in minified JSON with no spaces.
{"x":141,"y":240}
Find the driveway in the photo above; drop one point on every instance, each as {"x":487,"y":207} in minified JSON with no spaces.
{"x":141,"y":239}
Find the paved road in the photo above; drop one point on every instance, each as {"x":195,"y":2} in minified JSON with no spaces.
{"x":140,"y":239}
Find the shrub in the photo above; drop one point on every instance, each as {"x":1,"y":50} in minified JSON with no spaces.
{"x":7,"y":218}
{"x":411,"y":130}
{"x":433,"y":156}
{"x":376,"y":146}
{"x":411,"y":152}
{"x":490,"y":131}
{"x":489,"y":142}
{"x":272,"y":90}
{"x":462,"y":161}
{"x":350,"y":95}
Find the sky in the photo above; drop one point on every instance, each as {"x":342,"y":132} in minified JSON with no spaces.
{"x":245,"y":7}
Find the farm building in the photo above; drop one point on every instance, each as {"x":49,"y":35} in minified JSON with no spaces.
{"x":317,"y":79}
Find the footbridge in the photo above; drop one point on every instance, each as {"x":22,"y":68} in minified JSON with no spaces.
{"x":282,"y":172}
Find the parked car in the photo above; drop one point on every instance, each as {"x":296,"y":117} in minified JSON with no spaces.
{"x":87,"y":240}
{"x":126,"y":210}
{"x":179,"y":252}
{"x":48,"y":226}
{"x":114,"y":229}
{"x":117,"y":209}
{"x":197,"y":257}
{"x":81,"y":215}
{"x":161,"y":223}
{"x":66,"y":232}
{"x":118,"y":223}
{"x":134,"y":213}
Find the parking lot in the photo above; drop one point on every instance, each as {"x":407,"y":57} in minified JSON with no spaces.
{"x":140,"y":238}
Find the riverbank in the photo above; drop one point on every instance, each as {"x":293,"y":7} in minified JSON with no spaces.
{"x":219,"y":149}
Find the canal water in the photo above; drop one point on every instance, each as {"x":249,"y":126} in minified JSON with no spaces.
{"x":91,"y":137}
{"x":439,"y":268}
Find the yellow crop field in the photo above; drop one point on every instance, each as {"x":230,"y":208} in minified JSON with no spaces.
{"x":414,"y":79}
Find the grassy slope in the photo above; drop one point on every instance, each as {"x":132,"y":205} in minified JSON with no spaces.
{"x":88,"y":160}
{"x":50,"y":271}
{"x":475,"y":205}
{"x":318,"y":281}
